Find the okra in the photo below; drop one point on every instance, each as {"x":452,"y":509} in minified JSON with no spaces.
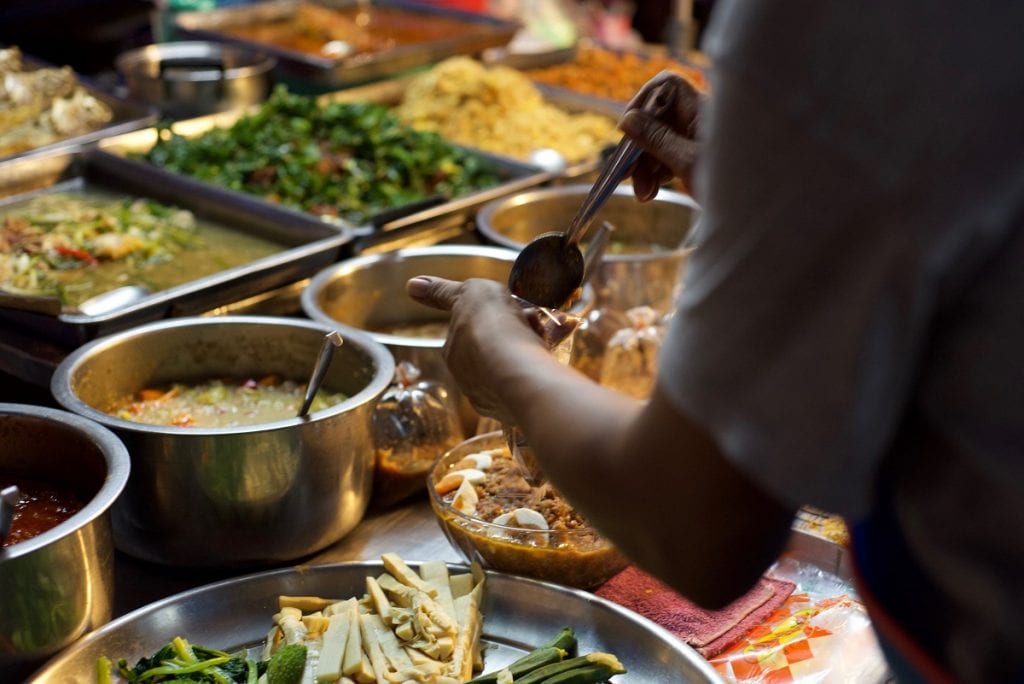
{"x":565,"y":640}
{"x":588,"y":674}
{"x":608,"y":663}
{"x":539,"y":657}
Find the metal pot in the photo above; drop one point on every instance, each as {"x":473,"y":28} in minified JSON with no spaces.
{"x":58,"y":585}
{"x":192,"y":78}
{"x":655,"y":237}
{"x":368,"y":293}
{"x":244,"y":495}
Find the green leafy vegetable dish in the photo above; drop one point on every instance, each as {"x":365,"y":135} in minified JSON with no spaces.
{"x":345,"y":160}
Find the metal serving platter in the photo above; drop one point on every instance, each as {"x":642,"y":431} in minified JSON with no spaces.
{"x":519,"y":614}
{"x":308,"y":245}
{"x":128,"y":115}
{"x":390,"y":92}
{"x":482,"y":32}
{"x":422,"y":223}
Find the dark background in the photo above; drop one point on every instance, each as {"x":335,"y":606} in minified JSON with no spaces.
{"x":85,"y":34}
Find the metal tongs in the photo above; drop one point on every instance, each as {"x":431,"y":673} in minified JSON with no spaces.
{"x":550,"y":268}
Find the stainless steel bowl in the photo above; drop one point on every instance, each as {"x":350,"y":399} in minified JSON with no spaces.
{"x":368,"y":293}
{"x":57,"y":585}
{"x":192,"y":78}
{"x":247,"y":495}
{"x":654,"y":237}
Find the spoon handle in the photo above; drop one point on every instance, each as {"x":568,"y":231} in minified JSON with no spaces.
{"x":620,"y":162}
{"x":332,"y":340}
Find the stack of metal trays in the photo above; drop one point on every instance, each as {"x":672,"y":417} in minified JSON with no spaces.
{"x":262,"y":25}
{"x":306,"y":244}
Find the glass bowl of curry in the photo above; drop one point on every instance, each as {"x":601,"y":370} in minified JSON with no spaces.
{"x":493,"y":515}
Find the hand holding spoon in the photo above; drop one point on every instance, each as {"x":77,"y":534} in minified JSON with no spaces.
{"x":549,"y":269}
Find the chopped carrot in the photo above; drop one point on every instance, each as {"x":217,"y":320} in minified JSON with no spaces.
{"x":268,"y":380}
{"x":151,"y":394}
{"x":183,"y":420}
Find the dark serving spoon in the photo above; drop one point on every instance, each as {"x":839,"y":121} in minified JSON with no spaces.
{"x":549,"y":269}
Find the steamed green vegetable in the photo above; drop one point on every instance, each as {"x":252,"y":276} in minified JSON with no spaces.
{"x":179,"y":661}
{"x":347,"y":160}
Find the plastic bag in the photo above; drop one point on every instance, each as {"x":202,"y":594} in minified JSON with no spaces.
{"x":821,"y":634}
{"x":630,"y":360}
{"x":414,"y":423}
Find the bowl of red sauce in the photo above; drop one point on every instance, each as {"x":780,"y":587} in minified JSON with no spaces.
{"x":56,"y":564}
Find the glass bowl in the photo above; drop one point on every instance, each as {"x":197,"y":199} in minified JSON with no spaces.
{"x":570,"y":552}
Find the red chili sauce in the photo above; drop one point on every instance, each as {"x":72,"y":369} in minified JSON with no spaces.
{"x":42,"y":507}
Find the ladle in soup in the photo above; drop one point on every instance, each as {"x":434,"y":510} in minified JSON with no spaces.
{"x":332,"y":341}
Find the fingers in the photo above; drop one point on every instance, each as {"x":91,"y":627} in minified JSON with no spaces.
{"x":675,"y":151}
{"x":434,"y":292}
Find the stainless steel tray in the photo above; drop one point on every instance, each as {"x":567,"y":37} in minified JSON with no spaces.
{"x":519,"y":614}
{"x":309,"y":245}
{"x":390,"y":92}
{"x":482,"y":32}
{"x":416,"y":224}
{"x":128,"y":115}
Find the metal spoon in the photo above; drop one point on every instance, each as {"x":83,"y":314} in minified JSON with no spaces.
{"x":550,"y":267}
{"x":332,"y":341}
{"x":9,"y":499}
{"x":112,"y":300}
{"x":553,"y":327}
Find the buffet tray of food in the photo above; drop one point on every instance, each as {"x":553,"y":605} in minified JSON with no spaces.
{"x":341,"y":43}
{"x":350,"y":163}
{"x":593,"y":76}
{"x":103,"y":244}
{"x":44,"y":109}
{"x":456,"y":99}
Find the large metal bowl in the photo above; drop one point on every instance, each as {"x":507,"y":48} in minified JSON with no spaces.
{"x":57,"y":585}
{"x":654,"y":238}
{"x":368,"y":293}
{"x":247,"y":495}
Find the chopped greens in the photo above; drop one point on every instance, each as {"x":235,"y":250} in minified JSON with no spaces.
{"x":340,"y":159}
{"x":180,"y":661}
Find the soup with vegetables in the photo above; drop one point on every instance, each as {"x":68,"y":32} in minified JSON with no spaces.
{"x":77,"y":244}
{"x":221,"y":403}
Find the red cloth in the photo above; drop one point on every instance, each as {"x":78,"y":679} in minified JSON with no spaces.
{"x":708,"y":631}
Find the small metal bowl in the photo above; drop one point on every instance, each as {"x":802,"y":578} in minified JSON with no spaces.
{"x":649,"y":247}
{"x":247,"y":495}
{"x":59,"y":584}
{"x":192,"y":78}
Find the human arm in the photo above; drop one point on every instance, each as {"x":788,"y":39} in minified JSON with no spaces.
{"x":643,"y":473}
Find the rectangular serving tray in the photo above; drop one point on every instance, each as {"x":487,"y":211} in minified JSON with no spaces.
{"x":128,"y":115}
{"x":421,"y":223}
{"x":330,"y":74}
{"x":309,"y":244}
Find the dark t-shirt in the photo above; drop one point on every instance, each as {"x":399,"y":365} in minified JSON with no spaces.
{"x":853,"y":314}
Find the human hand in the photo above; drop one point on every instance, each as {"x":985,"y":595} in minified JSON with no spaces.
{"x":489,"y":339}
{"x":669,"y":142}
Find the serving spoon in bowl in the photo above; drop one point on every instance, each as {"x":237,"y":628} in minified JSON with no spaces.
{"x":332,"y":341}
{"x":549,"y":269}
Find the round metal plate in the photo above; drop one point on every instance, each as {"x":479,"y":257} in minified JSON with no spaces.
{"x":519,"y":614}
